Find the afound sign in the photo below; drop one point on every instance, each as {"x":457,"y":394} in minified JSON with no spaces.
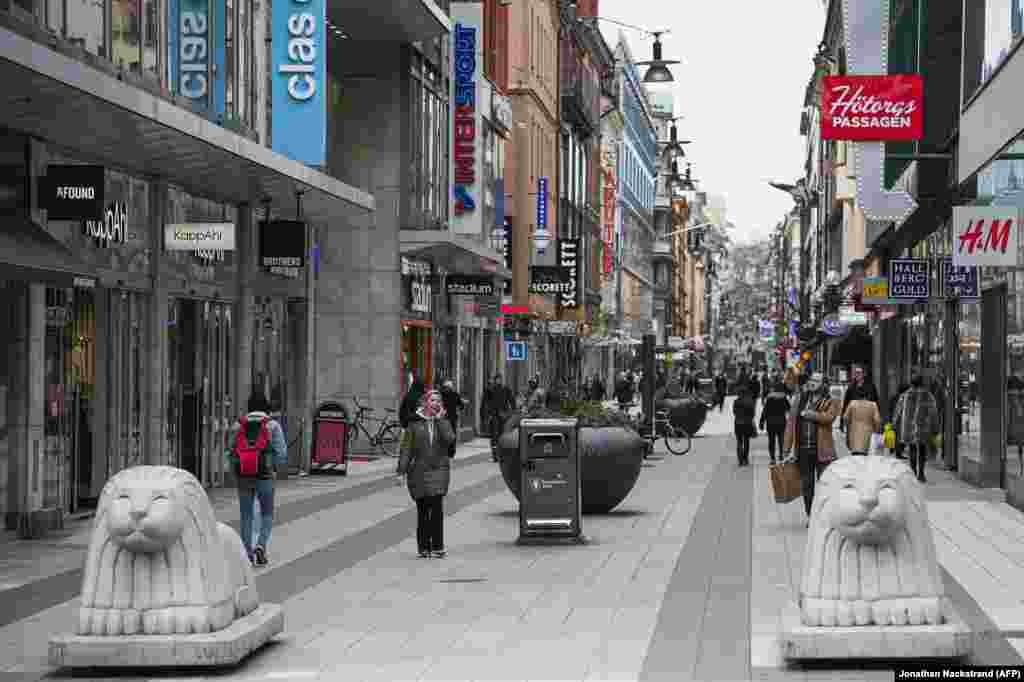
{"x":74,"y":193}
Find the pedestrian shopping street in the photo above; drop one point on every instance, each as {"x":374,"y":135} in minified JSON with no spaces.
{"x":685,"y":580}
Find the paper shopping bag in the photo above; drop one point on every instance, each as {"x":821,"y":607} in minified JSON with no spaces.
{"x":785,"y":479}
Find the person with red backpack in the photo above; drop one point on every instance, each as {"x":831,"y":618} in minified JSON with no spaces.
{"x":256,"y":448}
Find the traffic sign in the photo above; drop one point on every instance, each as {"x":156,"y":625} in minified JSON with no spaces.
{"x":515,"y":350}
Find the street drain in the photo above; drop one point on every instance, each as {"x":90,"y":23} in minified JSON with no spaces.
{"x":463,"y":580}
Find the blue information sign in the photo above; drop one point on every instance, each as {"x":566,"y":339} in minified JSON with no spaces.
{"x":909,"y":279}
{"x":299,"y":80}
{"x":960,"y":281}
{"x":542,"y":203}
{"x":515,"y":350}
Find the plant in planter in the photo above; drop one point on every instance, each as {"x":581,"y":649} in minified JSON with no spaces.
{"x":611,"y":452}
{"x":687,"y":412}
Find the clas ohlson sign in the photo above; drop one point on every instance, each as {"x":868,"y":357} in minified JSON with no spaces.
{"x":298,"y":74}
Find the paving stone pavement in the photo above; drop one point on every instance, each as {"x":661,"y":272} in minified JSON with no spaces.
{"x":683,"y":581}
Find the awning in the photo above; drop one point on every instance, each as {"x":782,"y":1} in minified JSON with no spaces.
{"x":29,"y":253}
{"x":60,"y":99}
{"x":405,"y":21}
{"x":453,"y":252}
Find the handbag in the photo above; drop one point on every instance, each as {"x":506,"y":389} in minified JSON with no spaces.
{"x":877,"y":448}
{"x":785,"y":481}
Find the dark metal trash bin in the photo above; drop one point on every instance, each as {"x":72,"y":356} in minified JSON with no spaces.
{"x":550,"y":507}
{"x":330,"y":439}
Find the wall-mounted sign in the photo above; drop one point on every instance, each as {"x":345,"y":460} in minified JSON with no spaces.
{"x":113,"y":229}
{"x":833,"y":326}
{"x":569,"y":258}
{"x":299,"y":92}
{"x":200,"y":237}
{"x":849,"y":315}
{"x":876,"y":291}
{"x":959,"y":281}
{"x":608,"y":212}
{"x":469,"y":285}
{"x":466,"y":118}
{"x":190,"y":50}
{"x":909,"y":279}
{"x":508,"y":244}
{"x":282,"y":246}
{"x":501,"y":111}
{"x":866,"y":25}
{"x":73,"y":192}
{"x":872,"y":108}
{"x":421,"y":295}
{"x":550,"y":279}
{"x":986,"y":235}
{"x":542,"y":204}
{"x":516,"y":350}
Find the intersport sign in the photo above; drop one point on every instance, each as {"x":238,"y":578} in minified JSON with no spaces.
{"x":872,"y":108}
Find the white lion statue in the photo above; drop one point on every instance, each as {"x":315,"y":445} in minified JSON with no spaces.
{"x":870,"y":556}
{"x":159,"y":562}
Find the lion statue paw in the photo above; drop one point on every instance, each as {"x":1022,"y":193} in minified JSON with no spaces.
{"x":870,"y":555}
{"x":159,"y":562}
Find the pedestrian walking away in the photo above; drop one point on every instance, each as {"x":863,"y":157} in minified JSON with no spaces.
{"x":809,"y":432}
{"x":497,"y":402}
{"x":258,"y":448}
{"x":425,"y":462}
{"x":773,"y":418}
{"x":916,"y":421}
{"x":862,"y":421}
{"x":743,"y":410}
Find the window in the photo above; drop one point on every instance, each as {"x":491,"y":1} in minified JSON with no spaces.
{"x":151,"y":38}
{"x":126,"y":34}
{"x":428,"y":111}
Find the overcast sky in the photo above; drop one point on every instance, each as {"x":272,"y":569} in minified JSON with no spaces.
{"x":741,"y":88}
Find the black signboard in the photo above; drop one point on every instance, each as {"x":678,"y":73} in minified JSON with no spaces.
{"x":960,"y":281}
{"x":508,"y":244}
{"x":569,"y":258}
{"x":469,"y":285}
{"x":909,"y":279}
{"x":282,"y":244}
{"x":73,"y":192}
{"x":550,"y":279}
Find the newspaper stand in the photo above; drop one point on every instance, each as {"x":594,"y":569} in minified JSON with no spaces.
{"x":330,"y":439}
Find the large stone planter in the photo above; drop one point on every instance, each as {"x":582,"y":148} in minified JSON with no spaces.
{"x":611,"y":458}
{"x":688,"y":413}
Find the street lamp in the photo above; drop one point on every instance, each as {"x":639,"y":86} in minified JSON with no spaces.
{"x":687,"y":229}
{"x":674,"y":147}
{"x":657,"y":71}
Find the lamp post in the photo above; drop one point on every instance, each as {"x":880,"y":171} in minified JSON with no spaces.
{"x":674,"y":146}
{"x":657,"y":67}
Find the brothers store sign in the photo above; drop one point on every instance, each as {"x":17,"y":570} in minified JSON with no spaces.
{"x":73,"y":193}
{"x":872,"y":108}
{"x":283,"y":247}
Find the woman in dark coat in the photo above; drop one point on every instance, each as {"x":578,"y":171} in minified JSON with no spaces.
{"x":426,"y":464}
{"x":743,"y":410}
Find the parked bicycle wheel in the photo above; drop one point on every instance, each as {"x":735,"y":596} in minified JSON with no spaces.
{"x":390,"y":440}
{"x":676,"y":440}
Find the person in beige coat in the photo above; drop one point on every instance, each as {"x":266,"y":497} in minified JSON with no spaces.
{"x":862,"y":420}
{"x":809,"y":432}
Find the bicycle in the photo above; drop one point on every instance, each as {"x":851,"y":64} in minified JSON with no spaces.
{"x":387,"y":436}
{"x":677,"y":440}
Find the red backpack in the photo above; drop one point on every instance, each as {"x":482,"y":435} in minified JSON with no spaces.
{"x":250,"y":456}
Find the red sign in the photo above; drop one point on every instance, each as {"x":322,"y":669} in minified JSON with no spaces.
{"x":872,"y":108}
{"x":515,"y":309}
{"x":608,"y":218}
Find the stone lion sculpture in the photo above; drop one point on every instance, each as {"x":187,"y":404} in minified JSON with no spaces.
{"x":870,"y":556}
{"x":159,"y":562}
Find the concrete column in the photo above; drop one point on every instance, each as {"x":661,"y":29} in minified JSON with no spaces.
{"x":154,"y":392}
{"x":34,"y":410}
{"x":243,"y":313}
{"x":19,"y":471}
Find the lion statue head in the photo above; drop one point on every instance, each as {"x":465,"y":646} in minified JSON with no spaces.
{"x":159,"y":562}
{"x":870,"y":556}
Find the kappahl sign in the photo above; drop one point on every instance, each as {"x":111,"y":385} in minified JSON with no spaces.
{"x":872,"y":108}
{"x":299,"y":53}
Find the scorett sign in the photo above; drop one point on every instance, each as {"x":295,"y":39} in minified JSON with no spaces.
{"x":568,"y":258}
{"x":550,"y":279}
{"x":74,"y":193}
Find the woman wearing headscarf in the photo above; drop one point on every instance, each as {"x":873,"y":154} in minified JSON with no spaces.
{"x":426,"y":464}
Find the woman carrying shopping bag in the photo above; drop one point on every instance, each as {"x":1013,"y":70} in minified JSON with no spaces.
{"x":809,"y":432}
{"x":426,"y":464}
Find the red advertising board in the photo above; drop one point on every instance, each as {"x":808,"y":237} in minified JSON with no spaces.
{"x":330,"y":431}
{"x":872,"y":108}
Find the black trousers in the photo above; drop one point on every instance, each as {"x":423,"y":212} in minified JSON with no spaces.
{"x":430,"y":523}
{"x":810,"y":471}
{"x":918,"y":453}
{"x":743,"y":448}
{"x":775,"y":437}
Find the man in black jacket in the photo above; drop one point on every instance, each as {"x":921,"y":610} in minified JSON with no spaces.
{"x":496,"y":403}
{"x":773,"y":417}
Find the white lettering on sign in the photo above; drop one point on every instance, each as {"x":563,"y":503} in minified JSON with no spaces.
{"x":112,"y":230}
{"x":76,"y":192}
{"x":194,"y":55}
{"x":846,"y":105}
{"x":302,"y":54}
{"x":421,"y":295}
